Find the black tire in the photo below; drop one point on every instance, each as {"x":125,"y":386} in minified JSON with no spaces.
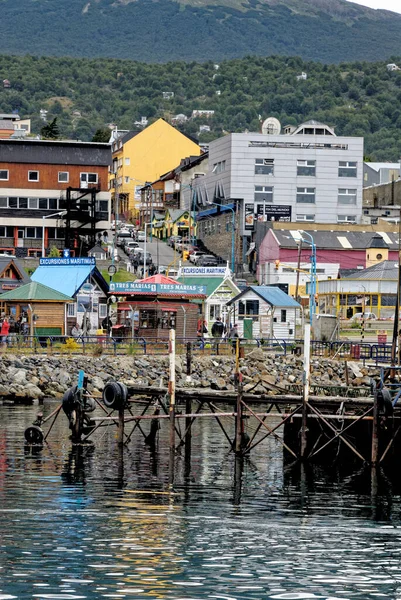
{"x":68,"y":401}
{"x":114,"y":395}
{"x":34,"y":435}
{"x":90,"y":405}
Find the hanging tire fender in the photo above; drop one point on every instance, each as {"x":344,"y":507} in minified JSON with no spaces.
{"x":114,"y":395}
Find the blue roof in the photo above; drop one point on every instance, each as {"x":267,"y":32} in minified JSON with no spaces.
{"x":274,"y":296}
{"x":64,"y":279}
{"x":213,"y":210}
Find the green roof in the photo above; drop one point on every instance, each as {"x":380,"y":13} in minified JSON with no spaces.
{"x":211,"y":283}
{"x":34,"y":291}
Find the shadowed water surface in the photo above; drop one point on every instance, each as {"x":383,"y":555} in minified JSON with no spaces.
{"x":98,"y":523}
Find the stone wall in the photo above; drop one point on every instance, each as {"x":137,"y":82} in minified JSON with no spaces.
{"x":36,"y":377}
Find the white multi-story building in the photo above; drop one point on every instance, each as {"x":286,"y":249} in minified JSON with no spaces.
{"x":307,"y":174}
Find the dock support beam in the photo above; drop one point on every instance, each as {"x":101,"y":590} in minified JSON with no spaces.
{"x":305,"y":398}
{"x":375,"y":432}
{"x":171,"y":390}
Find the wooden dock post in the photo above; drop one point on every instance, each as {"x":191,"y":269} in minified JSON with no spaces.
{"x":305,"y":397}
{"x":171,"y":390}
{"x":120,"y":435}
{"x":188,"y":420}
{"x":375,"y":431}
{"x":238,"y":420}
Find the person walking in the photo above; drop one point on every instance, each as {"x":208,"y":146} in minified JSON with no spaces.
{"x":218,"y":330}
{"x":135,"y":264}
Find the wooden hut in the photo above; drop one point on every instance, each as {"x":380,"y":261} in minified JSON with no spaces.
{"x":44,"y":309}
{"x":149,"y":307}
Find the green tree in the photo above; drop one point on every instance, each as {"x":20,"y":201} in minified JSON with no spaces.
{"x":50,"y":131}
{"x":102,"y":135}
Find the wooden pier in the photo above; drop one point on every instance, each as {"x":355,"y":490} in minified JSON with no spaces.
{"x":308,"y":427}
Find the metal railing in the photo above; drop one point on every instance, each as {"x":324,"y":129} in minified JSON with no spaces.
{"x":103,"y":344}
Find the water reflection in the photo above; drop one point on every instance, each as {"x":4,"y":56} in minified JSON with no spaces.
{"x":99,"y":521}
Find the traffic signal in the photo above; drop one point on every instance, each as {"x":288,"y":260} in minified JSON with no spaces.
{"x":277,"y":265}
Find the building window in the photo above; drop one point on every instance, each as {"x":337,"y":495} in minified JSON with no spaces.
{"x":72,"y":310}
{"x":22,"y":202}
{"x":310,"y":218}
{"x":148,"y":319}
{"x":346,"y":196}
{"x":167,"y":320}
{"x":346,"y":218}
{"x":88,"y":177}
{"x":33,"y":202}
{"x":30,"y":232}
{"x":263,"y":193}
{"x":283,"y":317}
{"x":63,"y":177}
{"x":3,"y":175}
{"x":33,"y":175}
{"x":347,"y":168}
{"x":306,"y":195}
{"x":306,"y":168}
{"x":3,"y":202}
{"x":214,"y":311}
{"x":126,"y":179}
{"x":219,"y":167}
{"x":264,"y":166}
{"x":127,"y":161}
{"x":13,"y":202}
{"x":52,"y":203}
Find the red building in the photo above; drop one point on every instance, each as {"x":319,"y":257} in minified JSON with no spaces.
{"x":151,"y":307}
{"x":55,"y":188}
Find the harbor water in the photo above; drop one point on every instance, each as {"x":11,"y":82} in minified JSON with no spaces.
{"x":101,"y":522}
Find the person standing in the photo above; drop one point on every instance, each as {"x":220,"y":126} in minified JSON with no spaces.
{"x":233,"y":335}
{"x":5,"y":330}
{"x":218,"y":328}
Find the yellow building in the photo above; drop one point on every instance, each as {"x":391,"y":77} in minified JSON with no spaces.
{"x":143,"y":156}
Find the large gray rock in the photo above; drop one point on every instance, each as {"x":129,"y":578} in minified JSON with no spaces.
{"x":19,"y":376}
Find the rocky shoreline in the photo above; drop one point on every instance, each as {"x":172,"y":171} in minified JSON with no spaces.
{"x":29,"y":378}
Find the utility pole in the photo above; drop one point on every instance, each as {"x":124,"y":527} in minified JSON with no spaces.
{"x":298,"y":270}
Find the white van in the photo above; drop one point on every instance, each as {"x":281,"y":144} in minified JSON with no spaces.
{"x":140,"y":236}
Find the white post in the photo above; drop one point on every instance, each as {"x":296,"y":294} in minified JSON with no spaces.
{"x":171,"y":391}
{"x":43,"y":237}
{"x":306,"y":361}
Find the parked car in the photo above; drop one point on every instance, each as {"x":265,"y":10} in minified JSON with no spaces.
{"x":366,"y":316}
{"x":121,"y":237}
{"x":129,"y":245}
{"x":173,"y":239}
{"x":140,"y":236}
{"x":195,"y":256}
{"x":207,"y":260}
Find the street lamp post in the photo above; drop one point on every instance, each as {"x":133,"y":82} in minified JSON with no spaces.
{"x":232,"y":233}
{"x":57,"y":214}
{"x":144,"y":248}
{"x":312,"y":293}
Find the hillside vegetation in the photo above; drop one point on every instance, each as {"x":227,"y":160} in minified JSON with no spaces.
{"x":361,"y":99}
{"x":164,"y":30}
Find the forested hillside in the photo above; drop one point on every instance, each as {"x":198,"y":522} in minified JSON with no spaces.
{"x":359,"y":98}
{"x":164,"y":30}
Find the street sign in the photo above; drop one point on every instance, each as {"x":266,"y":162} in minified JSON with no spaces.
{"x":57,"y":262}
{"x":219,"y":271}
{"x":66,"y":253}
{"x":131,"y":287}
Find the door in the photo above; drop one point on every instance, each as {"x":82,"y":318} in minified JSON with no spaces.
{"x":21,"y":235}
{"x":248,"y":329}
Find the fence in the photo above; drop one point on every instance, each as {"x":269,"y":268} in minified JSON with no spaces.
{"x":96,"y":345}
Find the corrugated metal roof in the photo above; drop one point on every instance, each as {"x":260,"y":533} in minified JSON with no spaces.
{"x":35,"y":291}
{"x":335,"y":239}
{"x":65,"y":279}
{"x":387,"y":269}
{"x":275,"y":296}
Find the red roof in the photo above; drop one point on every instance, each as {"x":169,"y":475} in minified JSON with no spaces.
{"x":158,"y":279}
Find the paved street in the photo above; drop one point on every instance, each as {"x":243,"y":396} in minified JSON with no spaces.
{"x":162,"y":255}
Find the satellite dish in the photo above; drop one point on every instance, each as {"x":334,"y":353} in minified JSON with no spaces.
{"x":271,"y":126}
